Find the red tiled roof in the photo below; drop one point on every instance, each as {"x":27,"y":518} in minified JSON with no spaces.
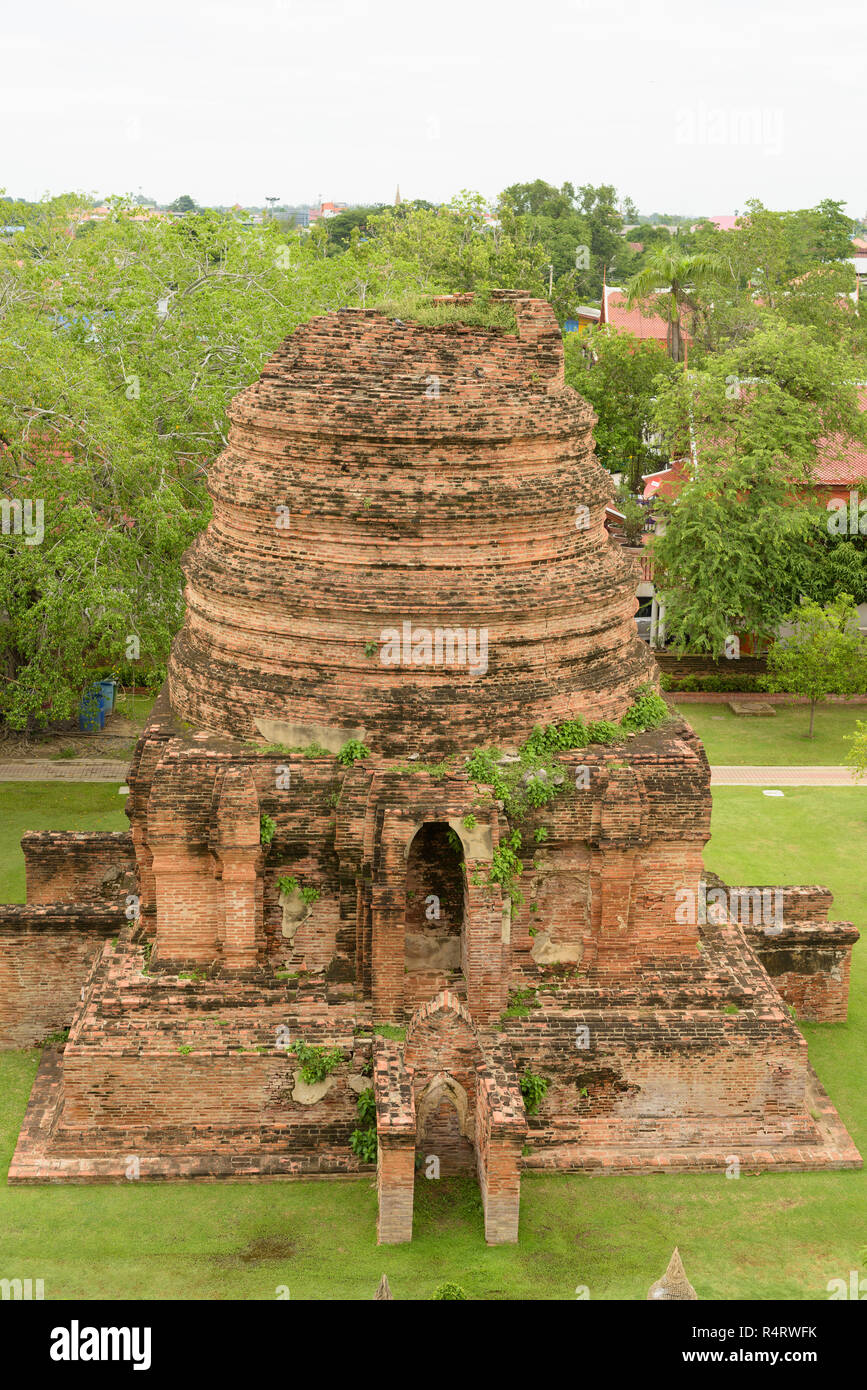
{"x":842,"y":460}
{"x":667,"y":482}
{"x":635,"y":320}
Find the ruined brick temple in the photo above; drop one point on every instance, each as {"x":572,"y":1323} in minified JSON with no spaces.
{"x":407,"y":562}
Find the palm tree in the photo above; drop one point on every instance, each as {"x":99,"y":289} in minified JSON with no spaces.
{"x":669,"y":271}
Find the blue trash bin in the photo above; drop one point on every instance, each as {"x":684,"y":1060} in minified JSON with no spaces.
{"x":91,"y":711}
{"x":109,"y":695}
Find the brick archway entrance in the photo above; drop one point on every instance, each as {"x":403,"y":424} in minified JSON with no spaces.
{"x":416,"y":1096}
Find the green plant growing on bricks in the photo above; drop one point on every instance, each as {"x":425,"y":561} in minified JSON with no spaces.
{"x":287,"y":884}
{"x":534,"y":1089}
{"x":363,"y":1141}
{"x":506,"y":867}
{"x":267,"y":829}
{"x":352,"y":751}
{"x":825,"y":654}
{"x":316,"y":1062}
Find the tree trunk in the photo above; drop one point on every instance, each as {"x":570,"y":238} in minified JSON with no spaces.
{"x":674,"y":340}
{"x":812,"y":712}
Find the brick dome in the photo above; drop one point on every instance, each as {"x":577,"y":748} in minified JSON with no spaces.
{"x":408,"y":540}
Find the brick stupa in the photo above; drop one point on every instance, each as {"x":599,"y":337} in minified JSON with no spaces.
{"x":408,"y":560}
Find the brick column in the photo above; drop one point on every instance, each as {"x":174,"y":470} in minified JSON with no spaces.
{"x":187,"y":906}
{"x":484,"y":967}
{"x":240,"y":884}
{"x":501,"y":1189}
{"x":395,"y":1184}
{"x":501,"y":1128}
{"x":240,"y":853}
{"x":387,"y":954}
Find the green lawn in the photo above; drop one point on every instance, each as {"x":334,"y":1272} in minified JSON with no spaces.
{"x":738,"y":740}
{"x":769,"y":1236}
{"x":135,"y":707}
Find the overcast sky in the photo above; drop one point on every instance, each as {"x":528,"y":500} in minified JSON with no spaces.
{"x":689,"y":106}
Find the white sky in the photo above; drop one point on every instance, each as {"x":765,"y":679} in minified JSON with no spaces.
{"x":688,"y":106}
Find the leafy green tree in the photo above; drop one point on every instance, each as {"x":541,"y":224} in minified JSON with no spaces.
{"x":738,"y":543}
{"x":620,"y":376}
{"x":857,"y":755}
{"x":579,"y":231}
{"x":825,"y":654}
{"x":122,"y":349}
{"x":184,"y":204}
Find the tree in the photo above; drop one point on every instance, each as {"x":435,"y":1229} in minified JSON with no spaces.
{"x":857,"y":755}
{"x":122,"y":349}
{"x":739,"y":541}
{"x":183,"y":204}
{"x":669,"y":277}
{"x":825,"y":654}
{"x":620,"y":376}
{"x":578,"y":230}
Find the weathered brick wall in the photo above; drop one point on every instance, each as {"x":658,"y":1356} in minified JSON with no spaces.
{"x":723,"y":1077}
{"x":46,"y":953}
{"x":75,"y":866}
{"x":203,"y":1104}
{"x":807,"y":957}
{"x":809,"y":965}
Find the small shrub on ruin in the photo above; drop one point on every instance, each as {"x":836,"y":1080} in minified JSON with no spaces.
{"x":351,"y":752}
{"x":534,"y":1089}
{"x":316,"y":1063}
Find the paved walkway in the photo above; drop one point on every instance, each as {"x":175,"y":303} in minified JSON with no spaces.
{"x":71,"y":770}
{"x":782,"y":777}
{"x":75,"y":770}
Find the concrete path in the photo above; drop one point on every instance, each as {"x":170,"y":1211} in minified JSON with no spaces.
{"x":782,"y":777}
{"x":71,"y":770}
{"x":75,"y":770}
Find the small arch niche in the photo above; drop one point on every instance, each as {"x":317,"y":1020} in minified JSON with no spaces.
{"x":435,"y":899}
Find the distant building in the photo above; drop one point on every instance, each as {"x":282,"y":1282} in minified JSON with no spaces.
{"x":585,"y":316}
{"x":324,"y":210}
{"x":724,"y":222}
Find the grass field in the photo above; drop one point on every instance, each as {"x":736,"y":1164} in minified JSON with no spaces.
{"x":768,"y":1236}
{"x":737,"y":740}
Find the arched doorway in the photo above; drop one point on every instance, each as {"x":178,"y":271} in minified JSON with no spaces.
{"x":435,"y":901}
{"x":444,"y":1129}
